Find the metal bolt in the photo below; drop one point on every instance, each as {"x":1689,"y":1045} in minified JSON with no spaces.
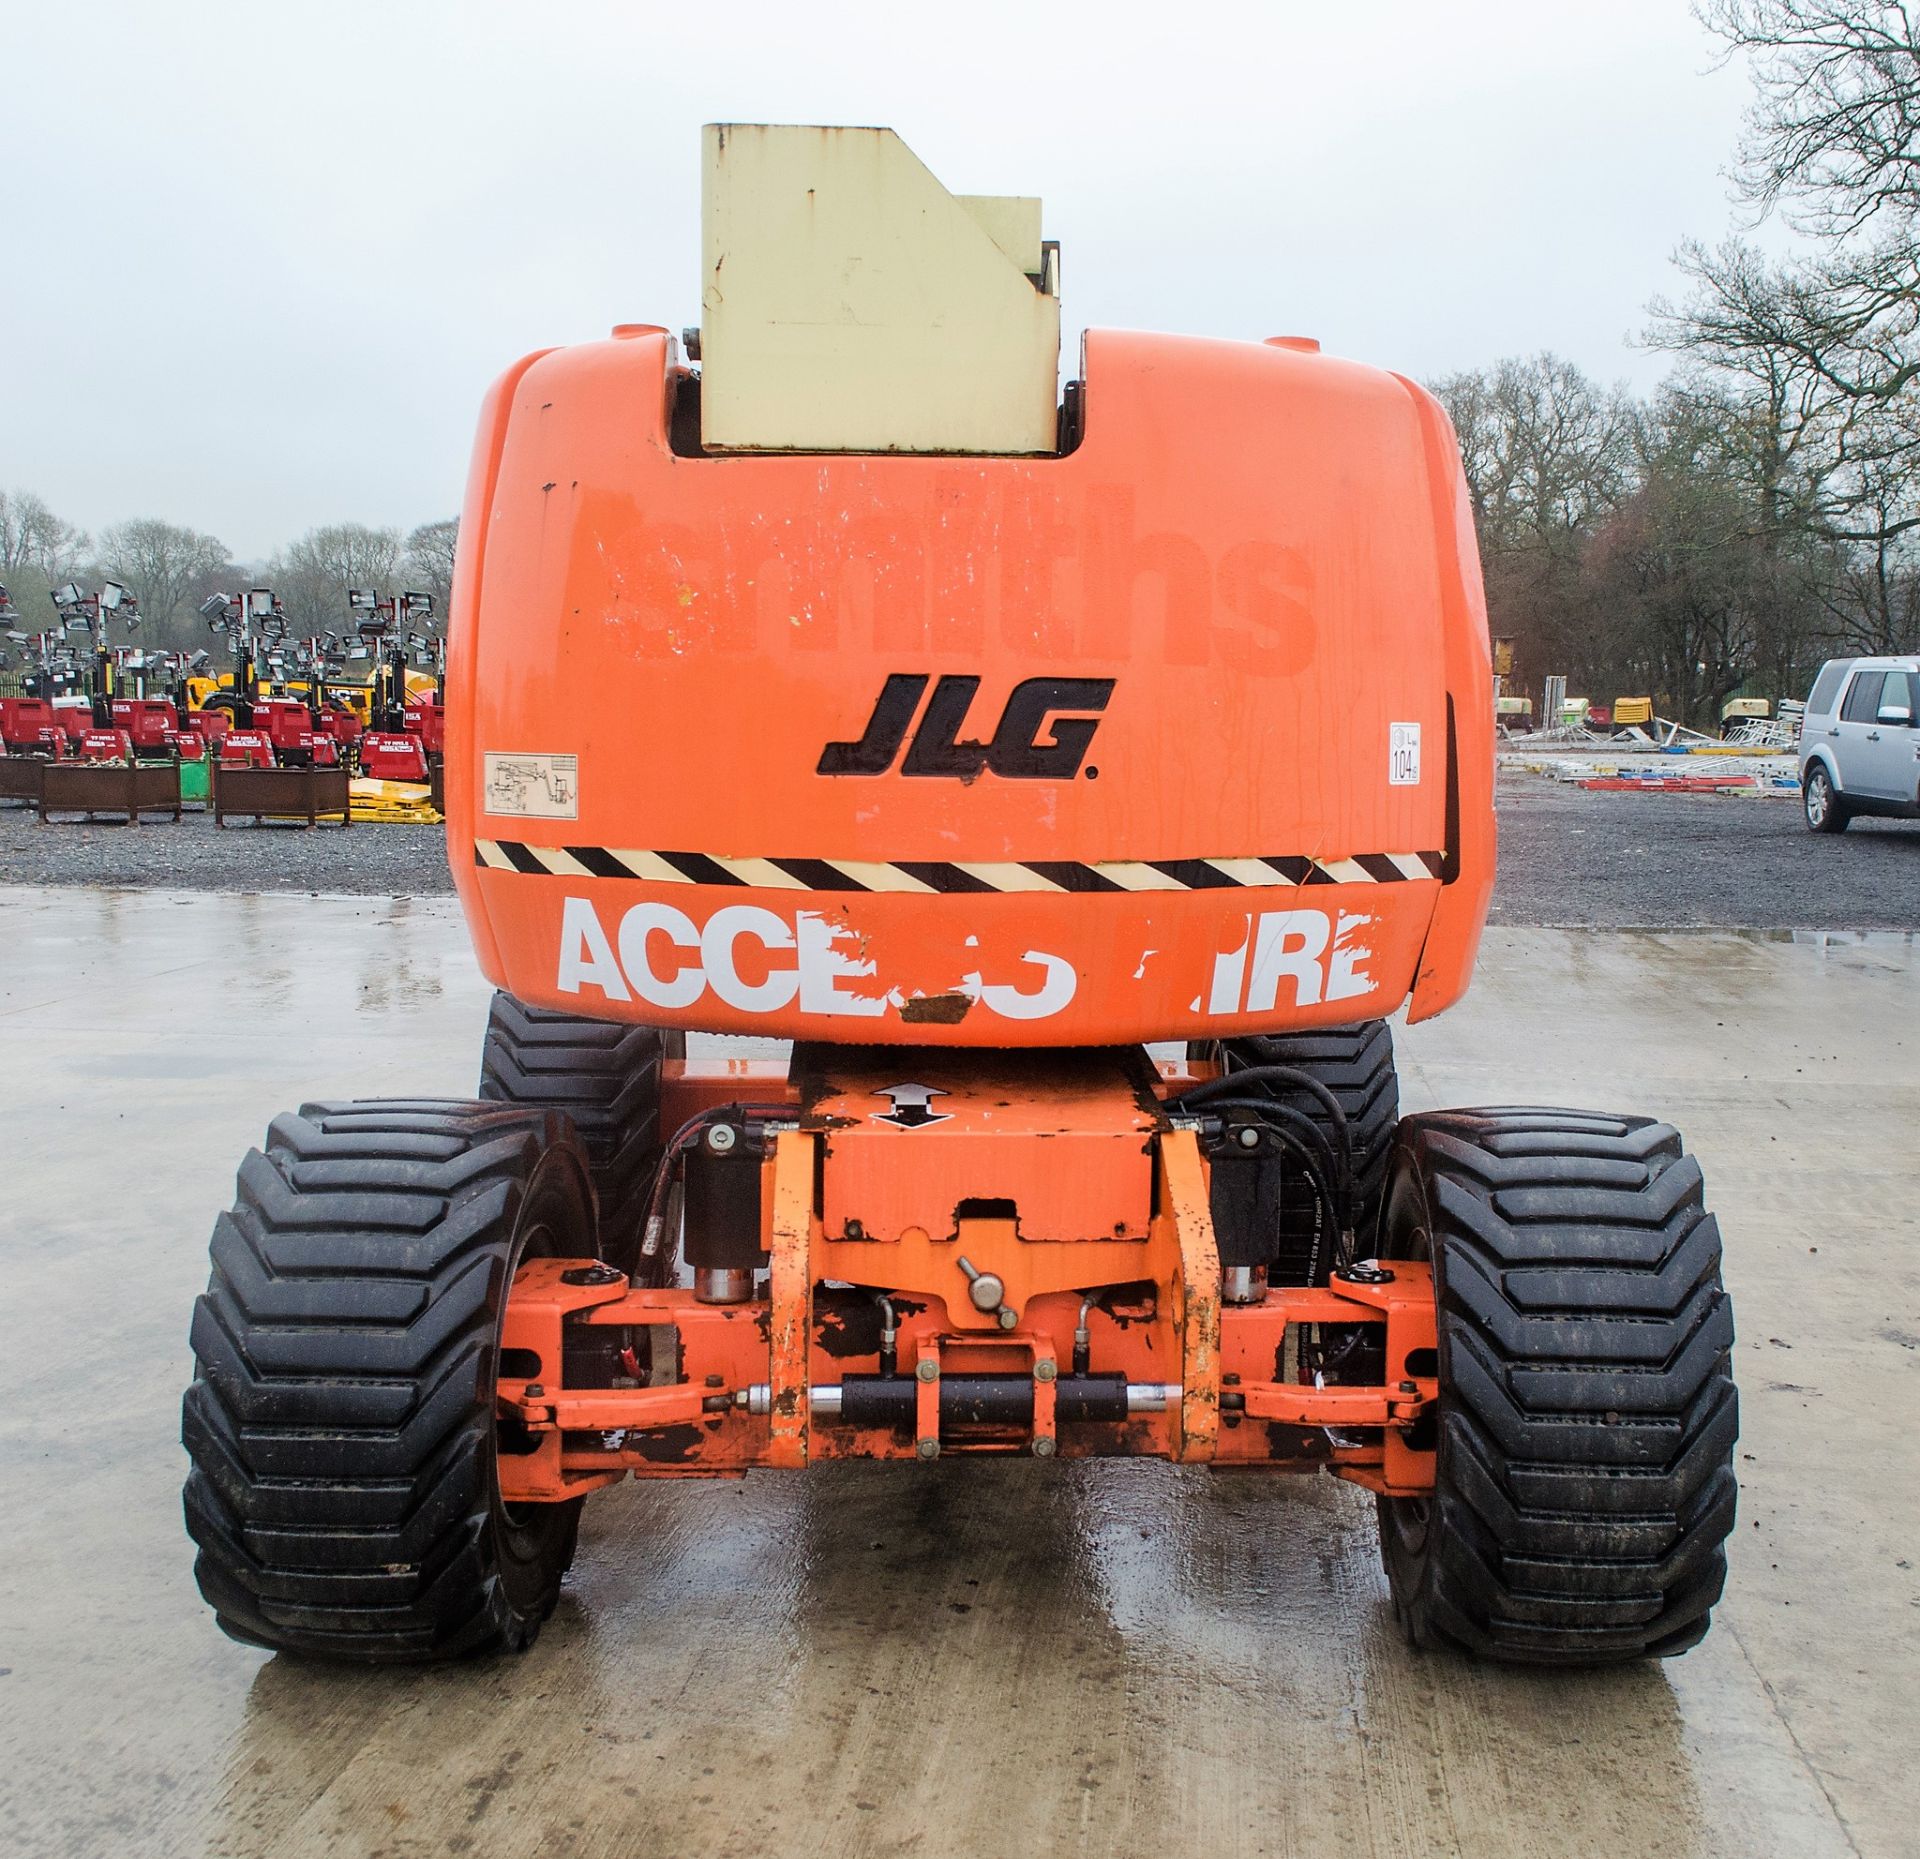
{"x":928,"y":1370}
{"x":722,"y":1137}
{"x":855,"y":1230}
{"x":929,"y":1449}
{"x":1043,"y":1447}
{"x":1008,"y":1316}
{"x":1248,"y":1137}
{"x":985,"y":1288}
{"x":1409,"y":1387}
{"x":534,"y":1391}
{"x":1045,"y":1369}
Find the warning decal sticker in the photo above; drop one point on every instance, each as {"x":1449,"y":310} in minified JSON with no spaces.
{"x":532,"y":787}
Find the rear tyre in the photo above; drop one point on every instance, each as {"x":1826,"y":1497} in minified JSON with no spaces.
{"x":1825,"y":810}
{"x":1355,"y":1063}
{"x":605,"y":1075}
{"x":1584,"y":1482}
{"x":343,"y":1492}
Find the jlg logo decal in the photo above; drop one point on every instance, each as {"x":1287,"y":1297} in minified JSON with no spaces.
{"x":1016,"y":751}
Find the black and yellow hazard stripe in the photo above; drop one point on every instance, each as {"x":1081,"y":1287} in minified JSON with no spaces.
{"x":910,"y":875}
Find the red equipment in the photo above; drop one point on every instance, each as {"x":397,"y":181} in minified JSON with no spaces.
{"x":74,"y":715}
{"x":245,"y":748}
{"x":106,"y":745}
{"x":285,"y":721}
{"x":344,"y":726}
{"x":25,"y":723}
{"x":212,"y":725}
{"x":148,"y":721}
{"x":392,"y":755}
{"x":429,"y":720}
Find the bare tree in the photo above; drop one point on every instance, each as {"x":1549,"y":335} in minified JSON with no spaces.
{"x":31,"y":535}
{"x":313,"y":575}
{"x":1834,"y":130}
{"x":1834,"y":141}
{"x":1546,"y":450}
{"x":1680,"y":571}
{"x":1818,"y":358}
{"x":1548,"y":455}
{"x":166,"y":566}
{"x":429,"y":559}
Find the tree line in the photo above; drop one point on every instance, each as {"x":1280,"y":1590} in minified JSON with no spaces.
{"x":1759,"y":511}
{"x":171,"y":569}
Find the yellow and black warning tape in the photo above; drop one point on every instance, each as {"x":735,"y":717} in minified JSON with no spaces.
{"x":935,"y":876}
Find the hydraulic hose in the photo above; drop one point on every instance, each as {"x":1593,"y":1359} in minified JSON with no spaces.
{"x":1236,"y":1081}
{"x":1265,"y":1107}
{"x":1272,"y":1112}
{"x":653,"y":1227}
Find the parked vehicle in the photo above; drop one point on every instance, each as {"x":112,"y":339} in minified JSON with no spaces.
{"x":1860,"y":742}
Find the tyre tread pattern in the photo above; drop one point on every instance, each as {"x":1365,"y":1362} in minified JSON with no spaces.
{"x":339,"y":1423}
{"x":606,"y":1076}
{"x":1588,"y":1415}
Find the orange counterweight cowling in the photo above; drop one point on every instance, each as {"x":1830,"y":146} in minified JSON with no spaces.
{"x":1180,"y":734}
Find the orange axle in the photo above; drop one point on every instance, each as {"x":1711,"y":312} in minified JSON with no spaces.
{"x":874,"y":1338}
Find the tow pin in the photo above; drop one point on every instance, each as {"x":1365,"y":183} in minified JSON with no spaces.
{"x":988,"y":1293}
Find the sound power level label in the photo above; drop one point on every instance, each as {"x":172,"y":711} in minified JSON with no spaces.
{"x":532,"y":787}
{"x":1403,"y":755}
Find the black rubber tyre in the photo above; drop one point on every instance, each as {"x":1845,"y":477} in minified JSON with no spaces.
{"x":1584,"y":1486}
{"x":606,"y":1076}
{"x":1824,"y":810}
{"x":1355,"y":1063}
{"x":341,"y":1420}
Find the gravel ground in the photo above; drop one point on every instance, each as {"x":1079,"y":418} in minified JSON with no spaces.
{"x":1567,"y":858}
{"x":367,"y":861}
{"x":1572,"y":858}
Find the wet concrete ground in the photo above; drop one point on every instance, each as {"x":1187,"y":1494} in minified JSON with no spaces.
{"x":963,"y":1659}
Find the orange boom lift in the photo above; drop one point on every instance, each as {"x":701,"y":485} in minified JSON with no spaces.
{"x":1077,"y":781}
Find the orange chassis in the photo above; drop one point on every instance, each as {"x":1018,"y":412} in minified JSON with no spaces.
{"x":1097,"y":1221}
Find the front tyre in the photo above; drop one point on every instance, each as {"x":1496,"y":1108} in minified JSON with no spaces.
{"x":1825,"y":811}
{"x":1584,"y":1482}
{"x":341,"y":1422}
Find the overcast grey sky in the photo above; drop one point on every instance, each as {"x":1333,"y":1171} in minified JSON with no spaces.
{"x":261,"y":260}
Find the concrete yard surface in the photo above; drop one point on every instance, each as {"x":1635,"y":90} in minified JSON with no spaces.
{"x":974,"y":1658}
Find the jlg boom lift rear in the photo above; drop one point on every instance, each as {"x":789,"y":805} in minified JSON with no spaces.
{"x":856,"y":687}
